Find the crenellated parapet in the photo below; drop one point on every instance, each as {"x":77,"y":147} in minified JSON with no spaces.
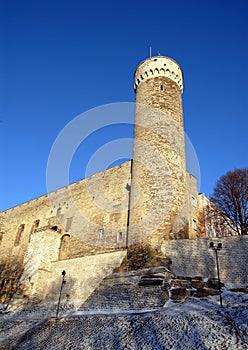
{"x":158,"y":66}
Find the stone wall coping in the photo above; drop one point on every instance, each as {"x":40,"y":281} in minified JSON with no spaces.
{"x":142,"y":272}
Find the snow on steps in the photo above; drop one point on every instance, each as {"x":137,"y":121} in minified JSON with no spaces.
{"x":142,"y":289}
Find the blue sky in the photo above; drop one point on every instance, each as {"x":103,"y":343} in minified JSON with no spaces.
{"x":62,"y":58}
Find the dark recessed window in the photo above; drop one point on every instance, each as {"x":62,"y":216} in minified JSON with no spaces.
{"x":194,"y":225}
{"x":120,"y":236}
{"x":19,"y":234}
{"x":35,"y":225}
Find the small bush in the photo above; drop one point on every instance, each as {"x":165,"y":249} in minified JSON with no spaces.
{"x":141,"y":256}
{"x":10,"y":275}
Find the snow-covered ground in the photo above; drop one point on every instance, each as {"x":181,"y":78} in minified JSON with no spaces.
{"x":191,"y":324}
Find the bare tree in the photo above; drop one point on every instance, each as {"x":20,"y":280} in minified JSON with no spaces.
{"x":231,"y":198}
{"x":10,"y":274}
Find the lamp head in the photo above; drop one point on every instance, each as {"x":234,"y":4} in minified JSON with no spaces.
{"x":211,"y":245}
{"x":219,"y":246}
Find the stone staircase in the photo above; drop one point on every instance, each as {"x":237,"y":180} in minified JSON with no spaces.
{"x":137,"y":290}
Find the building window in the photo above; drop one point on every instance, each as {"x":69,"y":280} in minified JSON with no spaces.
{"x":58,"y":211}
{"x":119,"y":236}
{"x":193,"y":201}
{"x":161,"y":87}
{"x":19,"y":234}
{"x":35,"y":225}
{"x":100,"y":233}
{"x":64,"y":247}
{"x":194,"y":224}
{"x":68,"y":224}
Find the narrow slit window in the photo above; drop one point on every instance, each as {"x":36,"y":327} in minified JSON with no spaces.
{"x":194,"y":225}
{"x":193,"y":201}
{"x":100,"y":233}
{"x":120,"y":236}
{"x":68,"y":224}
{"x":35,"y":225}
{"x":19,"y":234}
{"x":161,"y":87}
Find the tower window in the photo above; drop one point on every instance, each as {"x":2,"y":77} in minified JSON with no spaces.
{"x":194,"y":225}
{"x":119,"y":236}
{"x":161,"y":87}
{"x":100,"y":233}
{"x":68,"y":224}
{"x":58,"y":211}
{"x":193,"y":201}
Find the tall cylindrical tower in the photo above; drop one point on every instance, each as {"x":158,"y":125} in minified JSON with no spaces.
{"x":158,"y":171}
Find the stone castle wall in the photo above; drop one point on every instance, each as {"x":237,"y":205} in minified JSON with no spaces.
{"x":87,"y":218}
{"x":194,"y":258}
{"x":83,"y":275}
{"x":188,"y":223}
{"x":93,"y":211}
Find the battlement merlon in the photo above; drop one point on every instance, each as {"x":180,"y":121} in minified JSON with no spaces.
{"x":158,"y":66}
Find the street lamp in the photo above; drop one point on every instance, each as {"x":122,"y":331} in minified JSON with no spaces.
{"x":216,"y":249}
{"x":63,"y":282}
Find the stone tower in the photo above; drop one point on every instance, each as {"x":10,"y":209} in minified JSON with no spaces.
{"x":158,"y":170}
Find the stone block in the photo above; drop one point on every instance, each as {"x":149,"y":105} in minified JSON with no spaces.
{"x":151,"y":282}
{"x":197,"y":283}
{"x":177,"y":294}
{"x":205,"y":292}
{"x":213,"y":283}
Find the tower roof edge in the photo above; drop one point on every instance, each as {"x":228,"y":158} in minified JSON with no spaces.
{"x":158,"y":66}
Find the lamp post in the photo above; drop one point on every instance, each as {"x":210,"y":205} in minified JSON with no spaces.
{"x":60,"y":293}
{"x":216,"y":249}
